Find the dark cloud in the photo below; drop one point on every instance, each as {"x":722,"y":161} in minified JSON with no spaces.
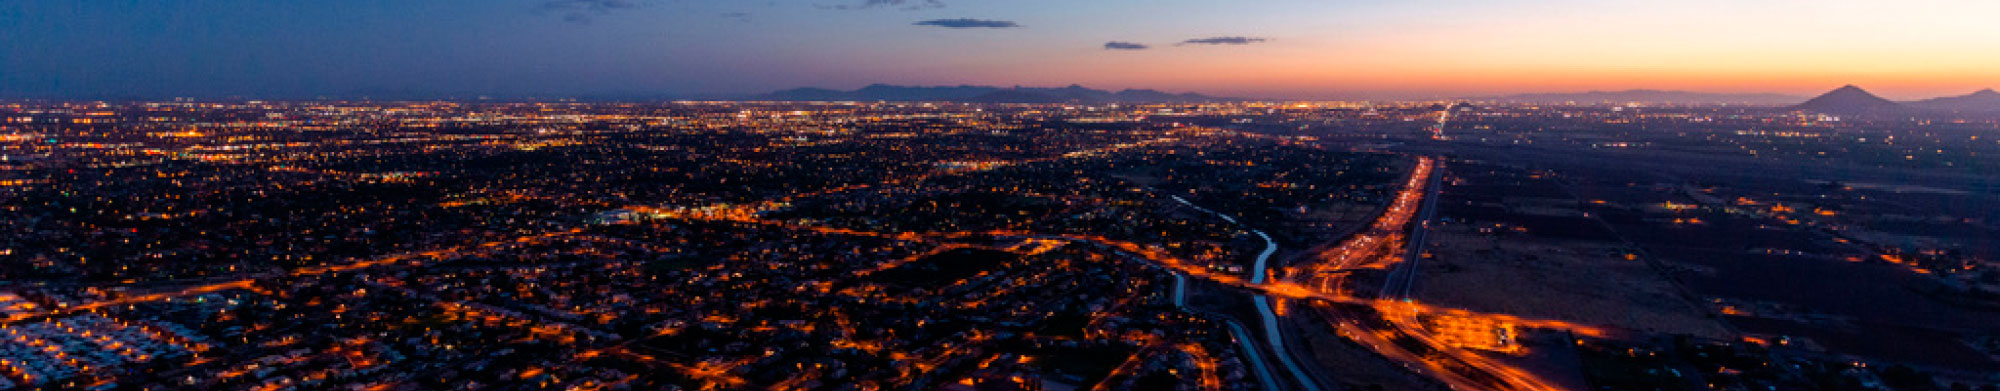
{"x":582,"y":11}
{"x":1117,"y":45}
{"x":902,"y":4}
{"x":966,"y":23}
{"x":737,"y":16}
{"x":1223,"y":41}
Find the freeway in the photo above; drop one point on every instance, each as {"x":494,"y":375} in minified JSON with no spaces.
{"x":1403,"y":277}
{"x":1377,"y":247}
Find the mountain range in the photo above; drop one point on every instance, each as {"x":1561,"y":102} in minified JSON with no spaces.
{"x":986,"y":94}
{"x":1846,"y":100}
{"x":1983,"y":101}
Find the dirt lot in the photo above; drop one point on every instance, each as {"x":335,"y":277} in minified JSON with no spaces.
{"x":1577,"y":281}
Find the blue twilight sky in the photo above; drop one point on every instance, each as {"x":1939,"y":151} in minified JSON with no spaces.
{"x":1266,"y":48}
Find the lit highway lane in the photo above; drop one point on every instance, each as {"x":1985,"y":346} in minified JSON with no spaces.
{"x":1456,"y":367}
{"x":1257,"y":272}
{"x":1402,"y":279}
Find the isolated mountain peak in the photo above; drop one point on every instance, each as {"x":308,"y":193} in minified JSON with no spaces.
{"x":1850,"y":99}
{"x":1849,"y":89}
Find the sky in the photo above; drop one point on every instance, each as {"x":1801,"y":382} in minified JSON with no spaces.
{"x":1902,"y":49}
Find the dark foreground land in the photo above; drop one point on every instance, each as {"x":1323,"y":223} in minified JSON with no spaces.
{"x":883,"y":246}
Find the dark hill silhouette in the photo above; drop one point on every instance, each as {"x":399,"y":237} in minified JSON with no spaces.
{"x":1851,"y":100}
{"x":1653,"y":96}
{"x":1019,"y":96}
{"x":1144,"y":95}
{"x":986,"y":94}
{"x":1985,"y":100}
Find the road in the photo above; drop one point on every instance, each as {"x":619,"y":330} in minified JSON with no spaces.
{"x":247,"y":280}
{"x":1377,"y":247}
{"x":1403,"y":278}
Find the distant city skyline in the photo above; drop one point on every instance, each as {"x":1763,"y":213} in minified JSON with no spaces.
{"x":1269,"y":49}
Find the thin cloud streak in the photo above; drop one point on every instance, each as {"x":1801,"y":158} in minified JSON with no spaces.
{"x":968,"y":23}
{"x":1224,"y":41}
{"x":1121,"y":45}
